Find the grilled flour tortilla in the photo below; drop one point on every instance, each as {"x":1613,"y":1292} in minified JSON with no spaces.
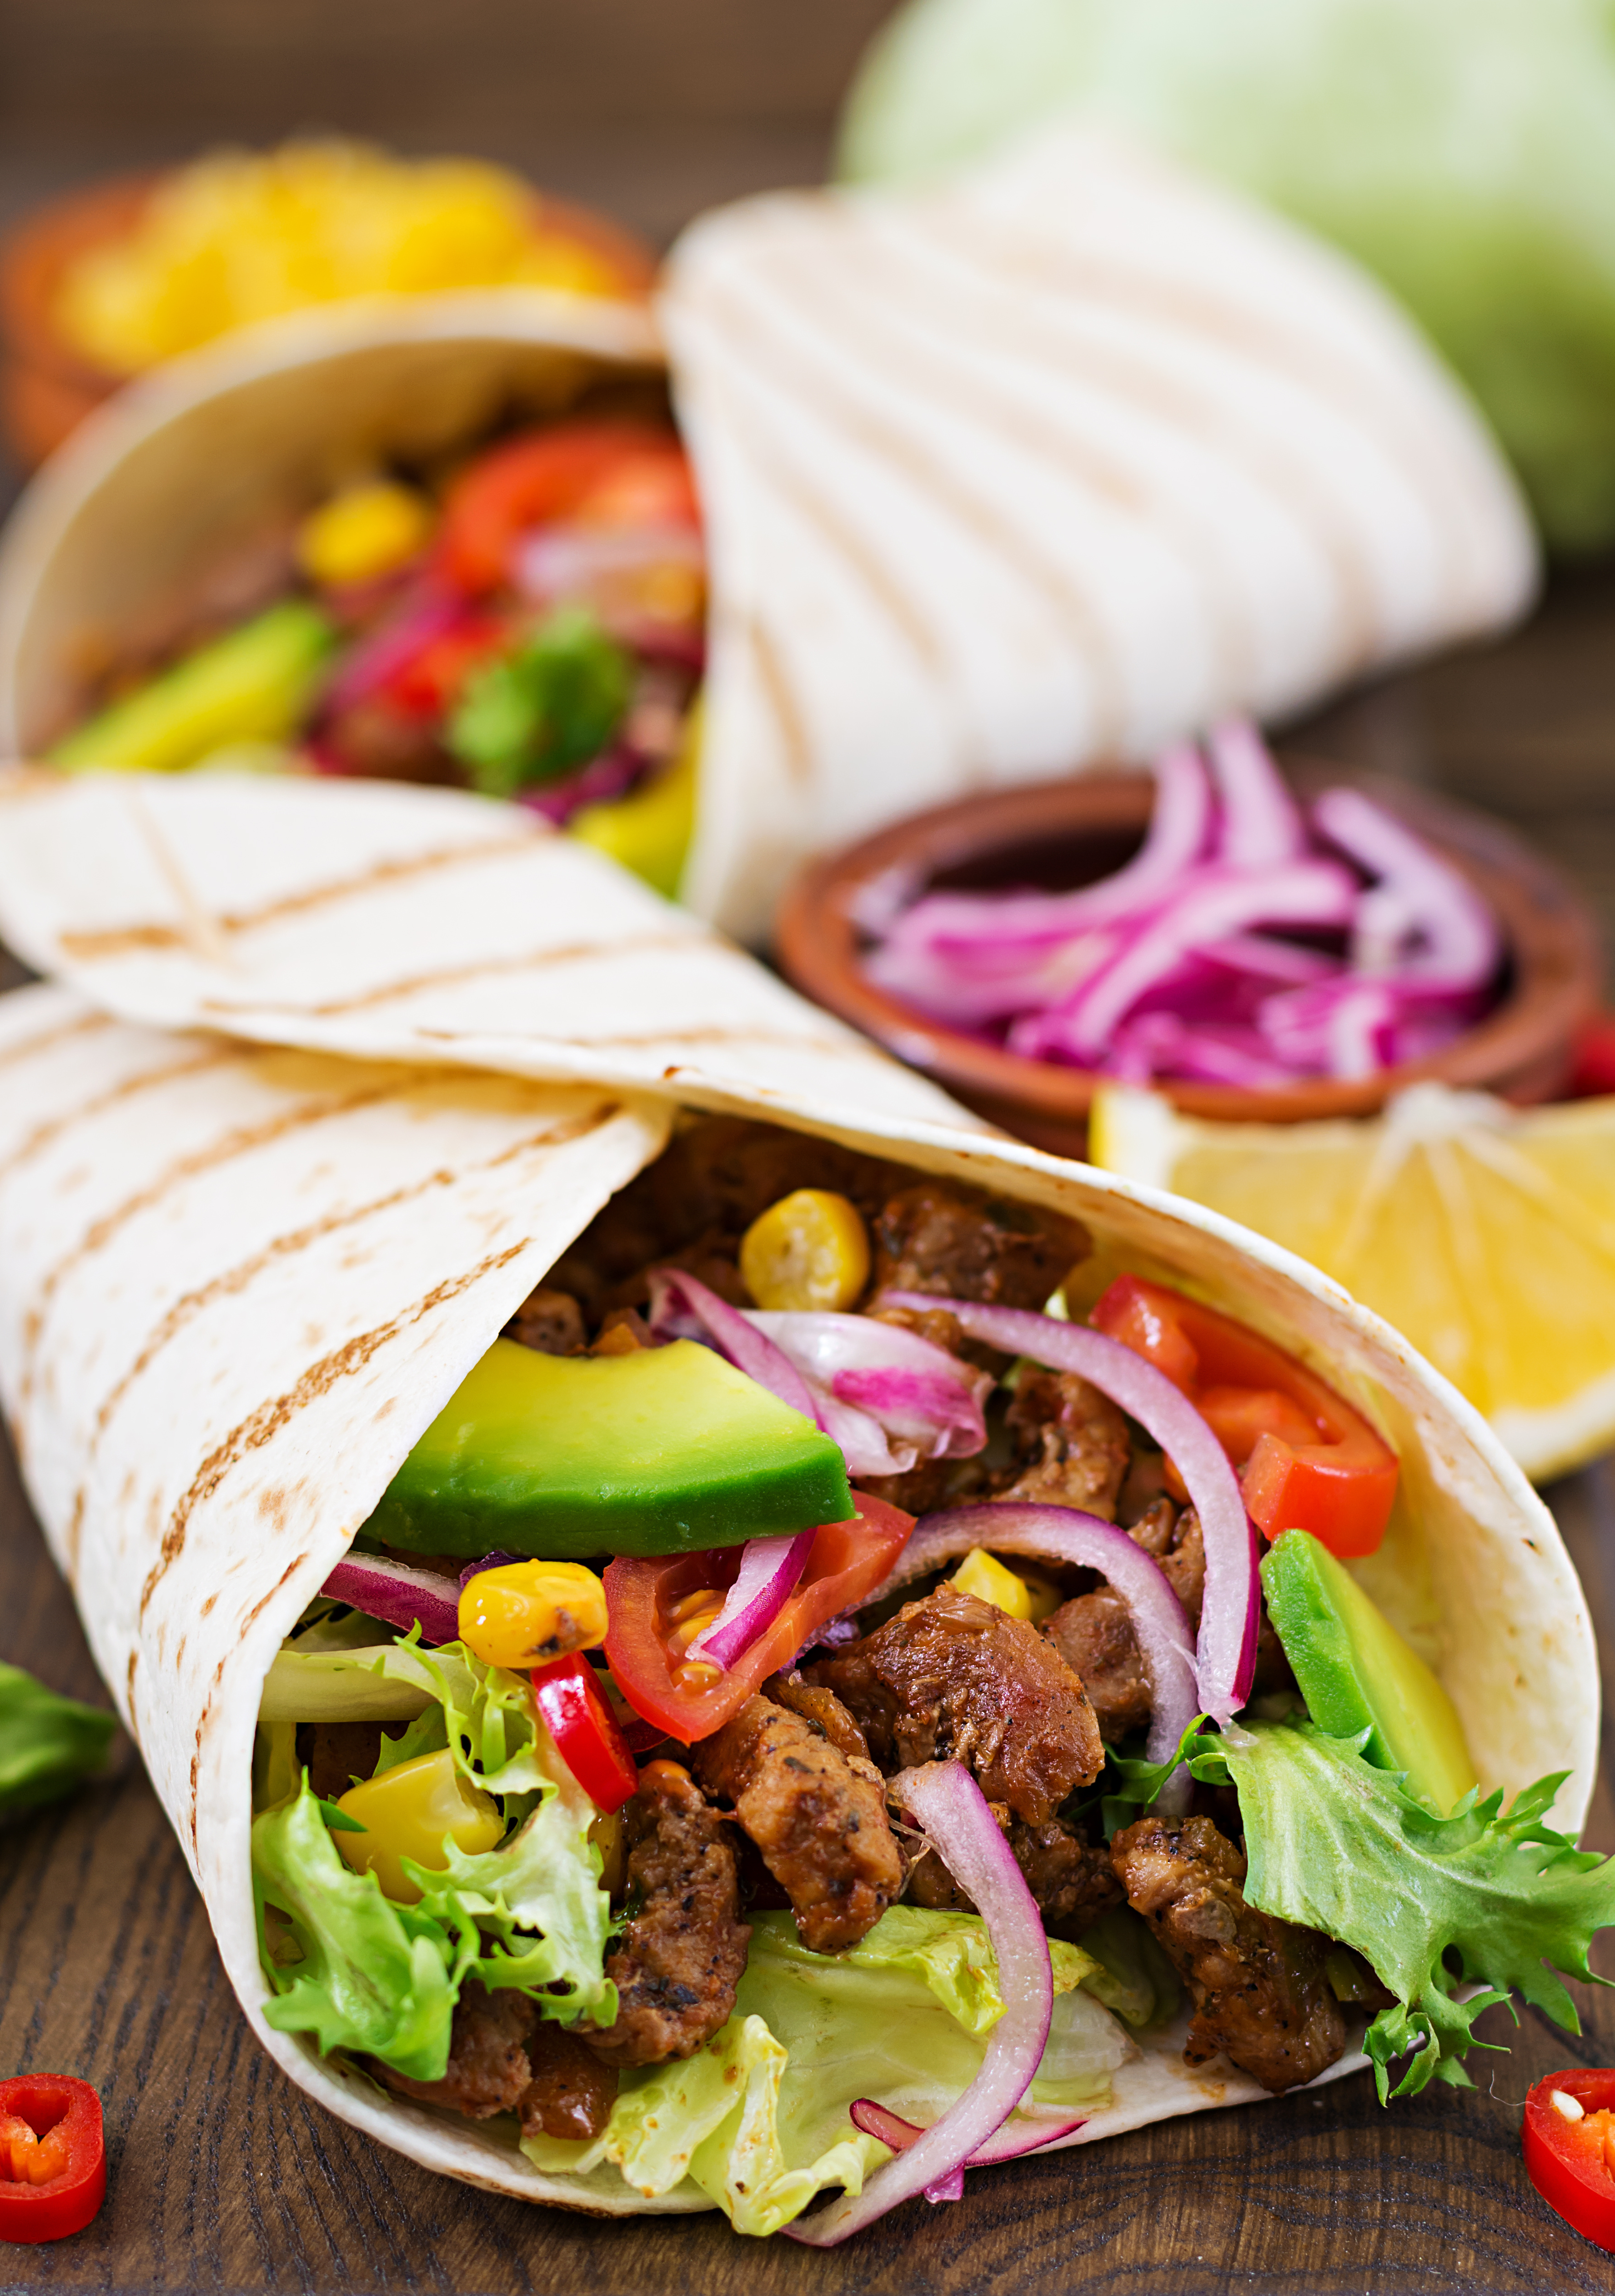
{"x":242,"y":1278}
{"x":999,"y":477}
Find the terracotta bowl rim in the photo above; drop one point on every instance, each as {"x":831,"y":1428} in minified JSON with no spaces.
{"x":1522,"y":1049}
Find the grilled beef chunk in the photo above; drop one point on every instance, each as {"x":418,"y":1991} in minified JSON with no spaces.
{"x":934,"y":1238}
{"x":1072,"y":1443}
{"x":825,"y":1711}
{"x":951,"y":1677}
{"x":335,"y":1753}
{"x":1070,"y":1878}
{"x":549,"y":1321}
{"x":504,"y":2057}
{"x":821,"y":1829}
{"x":571,"y":2093}
{"x":682,"y":1950}
{"x":1258,"y":1984}
{"x":1094,"y":1636}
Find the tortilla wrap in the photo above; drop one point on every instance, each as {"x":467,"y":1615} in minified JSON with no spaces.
{"x":239,"y":1279}
{"x":1000,"y":478}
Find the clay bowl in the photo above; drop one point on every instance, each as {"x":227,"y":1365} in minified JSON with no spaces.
{"x":1057,"y":835}
{"x":47,"y":387}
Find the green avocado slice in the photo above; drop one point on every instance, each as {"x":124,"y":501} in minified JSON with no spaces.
{"x":1356,"y":1672}
{"x":654,"y":1452}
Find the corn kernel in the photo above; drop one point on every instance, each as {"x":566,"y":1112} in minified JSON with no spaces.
{"x":524,"y":1614}
{"x":809,"y":1251}
{"x":363,"y":534}
{"x":408,"y":1812}
{"x":982,"y":1574}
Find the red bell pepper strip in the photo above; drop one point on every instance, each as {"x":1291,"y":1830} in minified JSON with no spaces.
{"x":588,"y":1736}
{"x":554,"y":474}
{"x":1309,"y":1461}
{"x":1570,"y":2150}
{"x":52,"y":2156}
{"x":846,"y":1562}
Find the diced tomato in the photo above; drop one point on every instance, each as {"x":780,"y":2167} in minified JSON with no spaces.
{"x":428,"y":684}
{"x":52,"y":2156}
{"x":1570,"y":2150}
{"x":1309,"y":1461}
{"x":588,"y":1736}
{"x":1593,"y":1074}
{"x":568,"y":471}
{"x":644,"y":1646}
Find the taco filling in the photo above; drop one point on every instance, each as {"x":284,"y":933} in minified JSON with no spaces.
{"x":853,"y":1676}
{"x":526,"y":619}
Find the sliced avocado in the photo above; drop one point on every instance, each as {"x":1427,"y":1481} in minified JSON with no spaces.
{"x":252,"y":685}
{"x":1356,"y":1672}
{"x":653,"y":1453}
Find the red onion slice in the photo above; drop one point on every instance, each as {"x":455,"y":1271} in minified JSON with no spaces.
{"x":1230,"y":1611}
{"x":768,"y":1572}
{"x":888,"y":1396}
{"x":1418,"y":898}
{"x":430,"y":615}
{"x":1057,"y":1534}
{"x":683,"y":1306}
{"x":398,"y":1594}
{"x":946,"y":1800}
{"x":1009,"y":2145}
{"x":1260,"y":827}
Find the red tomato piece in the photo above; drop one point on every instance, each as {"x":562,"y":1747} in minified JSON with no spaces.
{"x":1593,"y":1074}
{"x":1570,"y":2155}
{"x":543,"y":476}
{"x":1310,"y":1461}
{"x":428,"y":684}
{"x":846,"y":1562}
{"x":52,"y":2156}
{"x":588,"y":1736}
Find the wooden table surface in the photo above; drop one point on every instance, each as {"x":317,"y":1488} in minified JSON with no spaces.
{"x":223,"y":2176}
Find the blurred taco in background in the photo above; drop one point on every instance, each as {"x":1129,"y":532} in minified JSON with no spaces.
{"x":708,"y":1641}
{"x":987,"y":481}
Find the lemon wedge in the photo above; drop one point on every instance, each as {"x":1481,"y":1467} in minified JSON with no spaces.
{"x":1485,"y":1233}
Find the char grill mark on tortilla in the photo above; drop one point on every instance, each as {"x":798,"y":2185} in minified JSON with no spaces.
{"x":683,"y":1948}
{"x":29,"y":1047}
{"x":1260,"y":1995}
{"x":821,"y":1828}
{"x":46,"y":1135}
{"x":260,"y":1426}
{"x":297,"y":1240}
{"x":120,"y":940}
{"x":529,"y":961}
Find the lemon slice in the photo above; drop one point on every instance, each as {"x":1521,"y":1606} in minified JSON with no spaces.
{"x":1484,"y":1232}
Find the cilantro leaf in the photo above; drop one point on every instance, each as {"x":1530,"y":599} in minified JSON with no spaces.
{"x":48,"y":1744}
{"x":546,"y":708}
{"x":1432,"y":1903}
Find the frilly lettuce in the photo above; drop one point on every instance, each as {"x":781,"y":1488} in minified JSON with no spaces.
{"x":360,"y":1973}
{"x":48,"y":1743}
{"x":758,"y":2117}
{"x":1462,"y":150}
{"x":1341,"y":1847}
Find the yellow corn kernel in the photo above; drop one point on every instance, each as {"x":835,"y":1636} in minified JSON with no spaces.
{"x":407,"y":1812}
{"x":526,"y":1613}
{"x":982,"y":1574}
{"x":363,"y":534}
{"x":606,"y":1834}
{"x":811,"y":1250}
{"x":1043,"y":1596}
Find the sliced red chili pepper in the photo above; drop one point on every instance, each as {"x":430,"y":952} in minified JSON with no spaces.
{"x":587,"y":1734}
{"x":1570,"y":2150}
{"x":1309,"y":1461}
{"x":547,"y":475}
{"x":52,"y":2156}
{"x":846,"y":1562}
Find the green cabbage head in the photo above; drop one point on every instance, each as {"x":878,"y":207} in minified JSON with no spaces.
{"x":1462,"y":150}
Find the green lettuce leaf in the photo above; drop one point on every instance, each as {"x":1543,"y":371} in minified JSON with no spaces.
{"x":48,"y":1744}
{"x":348,"y":1966}
{"x":359,"y":1971}
{"x":759,"y":2118}
{"x":545,"y":710}
{"x":1341,"y":1847}
{"x":1462,"y":150}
